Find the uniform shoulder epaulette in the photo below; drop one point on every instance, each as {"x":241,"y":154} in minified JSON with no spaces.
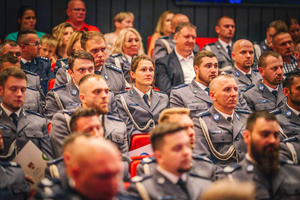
{"x":148,"y":160}
{"x":69,"y":112}
{"x":291,"y":139}
{"x":114,"y":67}
{"x":114,"y":118}
{"x":231,"y":168}
{"x":62,"y":59}
{"x":34,"y":113}
{"x":276,"y":111}
{"x":115,"y":55}
{"x":288,"y":162}
{"x":140,"y":178}
{"x":180,"y":86}
{"x":9,"y":164}
{"x":247,"y":88}
{"x":122,"y":92}
{"x":44,"y":58}
{"x":202,"y":114}
{"x":227,"y":72}
{"x":29,"y":72}
{"x":59,"y":87}
{"x":55,"y":161}
{"x":30,"y":88}
{"x":199,"y":157}
{"x":243,"y":111}
{"x":161,"y":92}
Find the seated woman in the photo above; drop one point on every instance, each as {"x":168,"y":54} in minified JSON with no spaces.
{"x":139,"y":107}
{"x":26,"y":19}
{"x":128,"y":45}
{"x":62,"y":33}
{"x":294,"y":29}
{"x":163,"y":28}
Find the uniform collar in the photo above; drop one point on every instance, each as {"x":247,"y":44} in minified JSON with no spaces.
{"x":141,"y":94}
{"x":224,"y":44}
{"x":180,"y":58}
{"x":25,"y":61}
{"x":203,"y":87}
{"x":243,"y":71}
{"x":129,"y":58}
{"x":271,"y":89}
{"x":8,"y":112}
{"x":172,"y":177}
{"x":292,"y":109}
{"x":225,"y":115}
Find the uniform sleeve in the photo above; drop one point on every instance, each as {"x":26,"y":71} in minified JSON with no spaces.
{"x":61,"y":77}
{"x":46,"y":146}
{"x":242,"y":104}
{"x":159,"y":50}
{"x":110,"y":60}
{"x":140,"y":170}
{"x":162,"y":80}
{"x":51,"y":106}
{"x":249,"y":101}
{"x":49,"y":71}
{"x":40,"y":89}
{"x":113,"y":109}
{"x":175,"y":99}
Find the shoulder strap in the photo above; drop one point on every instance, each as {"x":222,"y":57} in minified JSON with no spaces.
{"x":257,"y":50}
{"x":142,"y":191}
{"x":146,"y":169}
{"x":54,"y":171}
{"x":68,"y":76}
{"x":58,"y":101}
{"x":117,"y":63}
{"x":166,"y":43}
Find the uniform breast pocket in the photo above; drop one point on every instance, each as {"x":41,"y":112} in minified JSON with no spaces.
{"x":72,"y":106}
{"x":221,"y":138}
{"x":199,"y":106}
{"x":292,"y":190}
{"x":117,"y":138}
{"x":6,"y":132}
{"x":265,"y":105}
{"x":30,"y":106}
{"x":34,"y":136}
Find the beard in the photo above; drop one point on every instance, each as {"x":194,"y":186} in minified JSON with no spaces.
{"x":268,"y":161}
{"x":101,"y":110}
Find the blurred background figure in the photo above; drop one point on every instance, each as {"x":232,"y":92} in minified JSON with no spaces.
{"x":294,"y":29}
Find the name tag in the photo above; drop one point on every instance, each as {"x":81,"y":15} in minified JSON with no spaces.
{"x":133,"y":104}
{"x":200,"y":101}
{"x":216,"y":131}
{"x":166,"y":197}
{"x":263,"y":101}
{"x":3,"y":127}
{"x":73,"y":104}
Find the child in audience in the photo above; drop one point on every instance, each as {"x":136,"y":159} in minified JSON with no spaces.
{"x":48,"y":48}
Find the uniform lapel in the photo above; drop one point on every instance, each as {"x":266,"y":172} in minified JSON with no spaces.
{"x":5,"y":120}
{"x":222,"y":122}
{"x":23,"y":121}
{"x":266,"y":92}
{"x":199,"y":93}
{"x":280,"y":96}
{"x":222,"y":50}
{"x":242,"y":78}
{"x":108,"y":126}
{"x":154,"y":100}
{"x":237,"y":125}
{"x":175,"y":65}
{"x":135,"y":97}
{"x":293,"y":118}
{"x":73,"y":90}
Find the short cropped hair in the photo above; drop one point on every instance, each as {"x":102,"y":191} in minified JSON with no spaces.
{"x":135,"y":62}
{"x":181,"y":25}
{"x":89,"y":112}
{"x":21,"y":38}
{"x":166,"y":114}
{"x":279,"y":26}
{"x":289,"y":80}
{"x":214,"y":83}
{"x":200,"y":55}
{"x":8,"y":58}
{"x":9,"y":42}
{"x":12,"y":71}
{"x":79,"y":55}
{"x":122,"y":15}
{"x":262,"y":59}
{"x":220,"y":18}
{"x":86,"y":36}
{"x":251,"y":120}
{"x":89,"y":76}
{"x":49,"y":40}
{"x":71,"y":138}
{"x":158,"y":133}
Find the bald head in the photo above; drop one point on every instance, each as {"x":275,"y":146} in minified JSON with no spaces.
{"x":243,"y":55}
{"x":177,"y":19}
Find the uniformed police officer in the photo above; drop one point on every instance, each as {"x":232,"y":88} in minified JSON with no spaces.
{"x":243,"y":56}
{"x":195,"y":96}
{"x":93,"y":92}
{"x":219,"y":131}
{"x":171,"y":178}
{"x":30,"y":60}
{"x":200,"y":164}
{"x":267,"y":94}
{"x":222,"y":48}
{"x":19,"y":125}
{"x":139,"y":107}
{"x":274,"y":178}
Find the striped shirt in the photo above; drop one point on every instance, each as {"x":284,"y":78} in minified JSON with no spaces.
{"x":289,"y":67}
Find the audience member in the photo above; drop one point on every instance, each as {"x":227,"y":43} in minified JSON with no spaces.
{"x":273,"y":178}
{"x":121,"y":20}
{"x":26,"y":19}
{"x":225,"y":29}
{"x":266,"y":94}
{"x":294,"y":29}
{"x":10,"y":46}
{"x":139,"y":107}
{"x":76,"y":12}
{"x":173,"y":154}
{"x":219,"y":131}
{"x":19,"y":125}
{"x":177,"y":67}
{"x":163,"y":28}
{"x":48,"y":48}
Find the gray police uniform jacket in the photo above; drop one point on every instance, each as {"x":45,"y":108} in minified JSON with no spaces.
{"x":222,"y":55}
{"x":12,"y":178}
{"x":259,"y":97}
{"x":159,"y":187}
{"x":62,"y":76}
{"x":121,"y":62}
{"x":160,"y":49}
{"x":31,"y":126}
{"x":223,"y":136}
{"x":200,"y":165}
{"x":191,"y":96}
{"x":285,"y":185}
{"x":60,"y":63}
{"x":114,"y":130}
{"x":261,"y":48}
{"x":242,"y":80}
{"x":140,"y":112}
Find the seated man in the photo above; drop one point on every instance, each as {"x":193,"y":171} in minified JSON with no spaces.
{"x":177,"y":67}
{"x":195,"y":96}
{"x":273,"y":178}
{"x":19,"y":125}
{"x":93,"y":92}
{"x":219,"y":131}
{"x":171,"y":177}
{"x":267,"y":94}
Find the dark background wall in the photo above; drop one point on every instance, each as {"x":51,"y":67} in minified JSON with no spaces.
{"x":251,"y":21}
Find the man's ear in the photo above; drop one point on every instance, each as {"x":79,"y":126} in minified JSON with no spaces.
{"x":261,"y":71}
{"x":247,"y":137}
{"x":217,"y":29}
{"x":233,"y":55}
{"x":296,"y":54}
{"x":286,"y":92}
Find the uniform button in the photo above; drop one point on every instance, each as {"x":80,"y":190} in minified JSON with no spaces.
{"x":240,"y":151}
{"x":237,"y":139}
{"x":222,"y":139}
{"x":19,"y":135}
{"x":34,"y":134}
{"x":19,"y":149}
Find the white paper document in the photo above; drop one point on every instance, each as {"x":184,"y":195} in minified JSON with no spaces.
{"x":145,"y":149}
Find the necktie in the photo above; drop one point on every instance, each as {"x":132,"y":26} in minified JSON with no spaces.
{"x":182,"y":186}
{"x":145,"y":97}
{"x":14,"y":118}
{"x":248,"y":76}
{"x":27,"y":66}
{"x":229,"y":119}
{"x":274,"y":92}
{"x":229,"y":51}
{"x":207,"y":90}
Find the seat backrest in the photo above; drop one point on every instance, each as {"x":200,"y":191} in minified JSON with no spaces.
{"x":139,"y":140}
{"x":202,"y":41}
{"x":148,"y":42}
{"x":49,"y":127}
{"x":51,"y":83}
{"x":134,"y":163}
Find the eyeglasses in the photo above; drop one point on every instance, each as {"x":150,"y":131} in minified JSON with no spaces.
{"x":79,"y":9}
{"x":33,"y":44}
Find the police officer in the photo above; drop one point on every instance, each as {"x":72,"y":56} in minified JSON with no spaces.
{"x":93,"y":92}
{"x":267,"y":94}
{"x":33,"y":101}
{"x":195,"y":96}
{"x":243,"y":56}
{"x":19,"y":125}
{"x":171,"y":178}
{"x":200,"y":164}
{"x":29,"y":43}
{"x":139,"y":107}
{"x":219,"y":131}
{"x":274,"y":178}
{"x":222,"y":48}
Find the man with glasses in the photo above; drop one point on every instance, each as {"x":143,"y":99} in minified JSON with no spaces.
{"x":30,"y":60}
{"x":76,"y":12}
